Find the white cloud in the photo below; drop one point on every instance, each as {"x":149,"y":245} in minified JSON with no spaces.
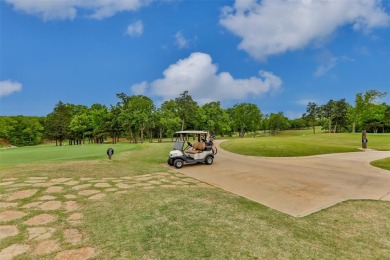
{"x":7,"y":87}
{"x":67,"y":9}
{"x":139,"y":88}
{"x":323,"y":69}
{"x":181,"y":41}
{"x":135,"y":29}
{"x":272,"y":27}
{"x":199,"y":76}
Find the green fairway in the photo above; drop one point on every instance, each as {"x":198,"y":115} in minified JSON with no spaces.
{"x":384,"y":163}
{"x":296,"y":143}
{"x":52,"y":153}
{"x":88,"y":161}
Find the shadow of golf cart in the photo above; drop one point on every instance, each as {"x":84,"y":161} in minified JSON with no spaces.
{"x":184,"y":152}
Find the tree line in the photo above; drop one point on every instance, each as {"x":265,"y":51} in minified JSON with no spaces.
{"x":138,"y":119}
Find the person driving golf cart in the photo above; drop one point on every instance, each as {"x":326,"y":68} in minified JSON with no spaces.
{"x":202,"y":151}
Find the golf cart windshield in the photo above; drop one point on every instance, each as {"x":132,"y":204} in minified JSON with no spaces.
{"x":178,"y":145}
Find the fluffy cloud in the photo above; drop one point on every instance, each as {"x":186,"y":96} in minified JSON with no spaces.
{"x":7,"y":87}
{"x":67,"y":9}
{"x":135,"y":29}
{"x":272,"y":27}
{"x":199,"y":76}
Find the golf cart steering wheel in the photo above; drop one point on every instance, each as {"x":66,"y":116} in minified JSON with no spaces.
{"x":189,"y":144}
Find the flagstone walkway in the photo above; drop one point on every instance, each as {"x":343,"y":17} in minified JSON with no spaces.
{"x":46,"y":212}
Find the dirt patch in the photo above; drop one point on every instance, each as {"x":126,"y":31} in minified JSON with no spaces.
{"x":103,"y":185}
{"x":8,"y":204}
{"x":123,"y":185}
{"x":85,"y":179}
{"x":40,"y":220}
{"x":51,"y":205}
{"x":71,"y":183}
{"x":97,"y":196}
{"x":32,"y":205}
{"x":88,"y":192}
{"x":6,"y":183}
{"x":73,"y":236}
{"x":22,"y":194}
{"x":8,"y":231}
{"x":46,"y":247}
{"x":60,"y":180}
{"x":9,"y":215}
{"x":13,"y":251}
{"x":10,"y":179}
{"x":76,"y":254}
{"x":155,"y":182}
{"x":71,"y":205}
{"x":40,"y":233}
{"x":47,"y":197}
{"x":54,"y":189}
{"x":75,"y":216}
{"x":111,"y":189}
{"x":37,"y":178}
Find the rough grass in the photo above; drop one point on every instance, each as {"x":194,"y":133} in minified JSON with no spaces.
{"x":210,"y":223}
{"x":293,"y":144}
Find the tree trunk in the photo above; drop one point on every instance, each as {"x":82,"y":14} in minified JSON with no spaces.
{"x":142,"y":134}
{"x":182,"y":124}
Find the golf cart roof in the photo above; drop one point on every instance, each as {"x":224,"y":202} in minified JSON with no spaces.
{"x":192,"y":132}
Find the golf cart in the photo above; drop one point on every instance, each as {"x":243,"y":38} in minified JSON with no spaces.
{"x":202,"y":151}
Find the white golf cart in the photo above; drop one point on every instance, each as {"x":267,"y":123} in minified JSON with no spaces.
{"x":202,"y":151}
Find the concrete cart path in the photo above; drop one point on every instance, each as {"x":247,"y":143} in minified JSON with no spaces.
{"x":297,"y":186}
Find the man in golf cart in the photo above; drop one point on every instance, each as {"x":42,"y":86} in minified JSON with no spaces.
{"x":201,"y":151}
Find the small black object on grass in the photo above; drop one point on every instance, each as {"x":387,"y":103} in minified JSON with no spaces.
{"x":110,"y":152}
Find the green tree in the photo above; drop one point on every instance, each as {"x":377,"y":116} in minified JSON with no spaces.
{"x":57,"y":123}
{"x":335,"y":115}
{"x":278,"y":122}
{"x":186,"y":108}
{"x":246,"y":118}
{"x":101,"y":120}
{"x":369,"y":113}
{"x":213,"y":118}
{"x":167,"y":119}
{"x":80,"y":124}
{"x":312,"y":114}
{"x":136,"y":114}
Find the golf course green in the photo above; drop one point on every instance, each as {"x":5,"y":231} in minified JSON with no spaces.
{"x":133,"y":206}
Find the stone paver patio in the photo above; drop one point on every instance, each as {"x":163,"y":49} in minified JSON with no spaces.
{"x":31,"y":208}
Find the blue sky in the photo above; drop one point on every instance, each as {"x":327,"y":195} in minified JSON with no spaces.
{"x":279,"y":54}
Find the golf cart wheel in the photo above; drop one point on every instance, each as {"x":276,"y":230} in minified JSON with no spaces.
{"x":209,"y":160}
{"x":179,"y":163}
{"x":170,"y":162}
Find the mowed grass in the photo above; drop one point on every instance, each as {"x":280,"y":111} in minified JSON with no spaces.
{"x":384,"y":163}
{"x":84,"y":161}
{"x":196,"y":222}
{"x":305,"y":143}
{"x":186,"y":223}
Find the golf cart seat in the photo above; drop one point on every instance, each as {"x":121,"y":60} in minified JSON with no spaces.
{"x":197,"y":148}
